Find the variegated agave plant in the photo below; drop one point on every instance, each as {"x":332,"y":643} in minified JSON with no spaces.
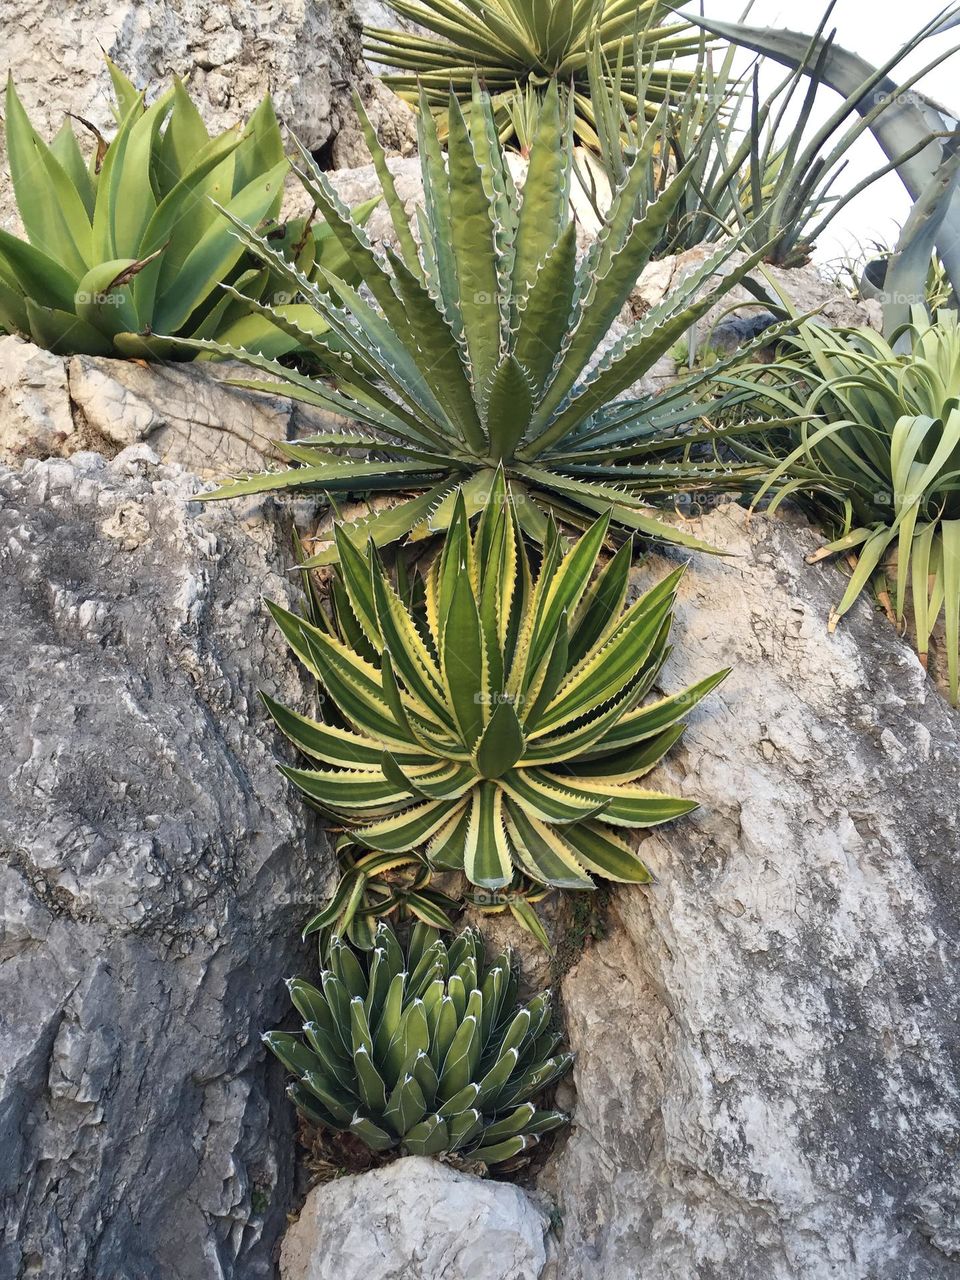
{"x":480,"y":348}
{"x":427,"y":1050}
{"x":516,"y":46}
{"x":495,"y":714}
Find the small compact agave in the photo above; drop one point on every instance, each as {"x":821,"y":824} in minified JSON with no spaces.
{"x":373,"y":885}
{"x":429,"y":1051}
{"x":492,"y":710}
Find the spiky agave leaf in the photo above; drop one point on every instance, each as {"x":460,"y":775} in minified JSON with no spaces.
{"x":481,"y":348}
{"x":516,"y":48}
{"x":426,"y":1048}
{"x":875,"y":448}
{"x":916,"y":135}
{"x":500,"y":723}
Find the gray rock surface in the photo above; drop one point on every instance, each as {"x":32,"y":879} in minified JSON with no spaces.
{"x":416,"y":1219}
{"x":306,"y":53}
{"x":155,"y":870}
{"x":767,"y":1081}
{"x":187,"y":413}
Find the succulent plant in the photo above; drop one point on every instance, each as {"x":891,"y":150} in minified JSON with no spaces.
{"x":131,"y":244}
{"x":875,"y":450}
{"x":917,"y":136}
{"x":425,"y":1049}
{"x":482,"y":348}
{"x":518,"y":45}
{"x":762,"y":163}
{"x":492,"y":709}
{"x":374,"y":885}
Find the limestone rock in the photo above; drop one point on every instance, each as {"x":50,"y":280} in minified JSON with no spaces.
{"x":393,"y":120}
{"x":416,"y":1218}
{"x":304,"y":52}
{"x":767,"y":1049}
{"x":155,"y":870}
{"x":35,"y":416}
{"x":187,"y":413}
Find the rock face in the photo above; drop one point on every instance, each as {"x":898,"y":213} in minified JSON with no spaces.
{"x":155,"y":872}
{"x":767,"y":1080}
{"x":187,"y":413}
{"x":306,"y":53}
{"x":416,"y":1219}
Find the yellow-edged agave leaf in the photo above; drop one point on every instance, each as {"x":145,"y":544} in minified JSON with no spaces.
{"x":475,"y":346}
{"x":515,"y":47}
{"x":874,"y":450}
{"x":424,"y":1047}
{"x":494,"y":718}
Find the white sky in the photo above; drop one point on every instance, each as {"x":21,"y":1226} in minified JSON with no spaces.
{"x":874,"y":29}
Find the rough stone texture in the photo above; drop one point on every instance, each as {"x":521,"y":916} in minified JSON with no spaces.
{"x":35,"y":416}
{"x":416,"y":1219}
{"x":306,"y":53}
{"x":767,"y":1080}
{"x":155,"y":870}
{"x":187,"y":413}
{"x":393,"y":120}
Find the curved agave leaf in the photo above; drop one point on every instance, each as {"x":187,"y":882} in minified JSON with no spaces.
{"x":493,"y":717}
{"x":135,"y":254}
{"x":874,"y":448}
{"x":904,"y":121}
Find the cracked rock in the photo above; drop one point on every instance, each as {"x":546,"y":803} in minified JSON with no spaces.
{"x":767,"y":1070}
{"x":187,"y":413}
{"x":155,"y":871}
{"x":416,"y":1219}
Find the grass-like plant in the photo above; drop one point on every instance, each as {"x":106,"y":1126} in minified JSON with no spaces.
{"x":484,"y":347}
{"x":491,"y":711}
{"x":876,"y":449}
{"x":425,"y":1048}
{"x":518,"y":46}
{"x":761,"y":164}
{"x":130,"y":244}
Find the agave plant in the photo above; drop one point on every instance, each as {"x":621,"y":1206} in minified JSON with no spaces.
{"x":515,"y":45}
{"x":481,"y":348}
{"x":374,"y":885}
{"x":917,"y":136}
{"x":131,"y":244}
{"x":759,"y":162}
{"x":426,"y":1049}
{"x":877,"y":450}
{"x":494,"y":716}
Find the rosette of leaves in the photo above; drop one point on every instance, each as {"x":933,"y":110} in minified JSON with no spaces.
{"x":426,"y":1049}
{"x":875,"y":450}
{"x":130,"y":243}
{"x":481,"y":347}
{"x":374,"y":885}
{"x":493,"y":712}
{"x":516,"y":46}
